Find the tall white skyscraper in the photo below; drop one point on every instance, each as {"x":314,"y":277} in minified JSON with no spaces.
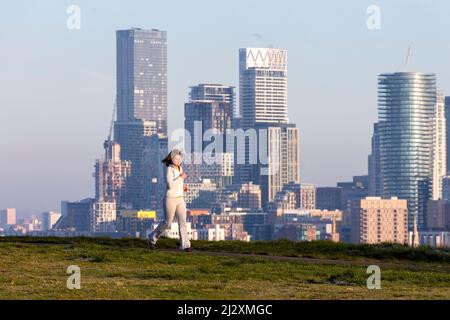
{"x":263,"y":86}
{"x":440,"y":148}
{"x":263,"y":105}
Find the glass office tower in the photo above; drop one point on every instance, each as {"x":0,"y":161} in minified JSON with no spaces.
{"x":141,"y":124}
{"x":214,"y":92}
{"x":406,"y":109}
{"x":142,"y":76}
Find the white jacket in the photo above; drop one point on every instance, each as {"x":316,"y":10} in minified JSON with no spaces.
{"x":175,"y":187}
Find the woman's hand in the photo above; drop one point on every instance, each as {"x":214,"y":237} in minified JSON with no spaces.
{"x":185,"y":188}
{"x":183,"y":176}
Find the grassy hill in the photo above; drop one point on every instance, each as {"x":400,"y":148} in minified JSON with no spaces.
{"x":35,"y":268}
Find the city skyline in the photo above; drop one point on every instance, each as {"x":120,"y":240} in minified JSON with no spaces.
{"x":308,"y":175}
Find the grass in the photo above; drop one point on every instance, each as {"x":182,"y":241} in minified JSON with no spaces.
{"x":35,"y":268}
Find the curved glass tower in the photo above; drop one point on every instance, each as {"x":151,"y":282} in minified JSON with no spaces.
{"x":406,"y":106}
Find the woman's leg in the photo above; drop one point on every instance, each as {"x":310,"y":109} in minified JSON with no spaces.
{"x":169,"y":210}
{"x":182,"y":229}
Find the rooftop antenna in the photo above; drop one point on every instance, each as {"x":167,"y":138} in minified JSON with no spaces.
{"x":108,"y":142}
{"x":112,"y":121}
{"x":409,"y":53}
{"x":260,"y":38}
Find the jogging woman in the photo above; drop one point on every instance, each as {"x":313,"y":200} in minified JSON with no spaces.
{"x":174,"y":201}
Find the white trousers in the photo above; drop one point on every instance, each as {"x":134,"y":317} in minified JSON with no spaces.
{"x":173,"y":205}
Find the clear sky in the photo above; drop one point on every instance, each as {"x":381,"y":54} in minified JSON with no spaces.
{"x":57,"y":86}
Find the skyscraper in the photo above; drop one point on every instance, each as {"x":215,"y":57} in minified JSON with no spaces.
{"x":142,"y":76}
{"x":213,"y":92}
{"x":144,"y":148}
{"x":447,"y":131}
{"x":278,"y":143}
{"x":406,"y":112}
{"x":374,"y":164}
{"x":210,"y":159}
{"x":439,"y":147}
{"x":141,"y":126}
{"x":206,"y":115}
{"x":263,"y":88}
{"x":263,"y":105}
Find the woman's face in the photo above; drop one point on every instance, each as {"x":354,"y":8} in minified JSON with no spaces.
{"x":177,"y":160}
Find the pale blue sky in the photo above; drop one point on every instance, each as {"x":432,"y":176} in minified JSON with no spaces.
{"x":58,"y":86}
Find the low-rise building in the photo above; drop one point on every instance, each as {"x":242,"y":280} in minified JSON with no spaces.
{"x":377,"y":220}
{"x":438,"y":215}
{"x":434,"y":238}
{"x":297,"y":232}
{"x":211,"y":233}
{"x":49,"y":219}
{"x":173,"y":232}
{"x":103,"y":217}
{"x":136,"y":222}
